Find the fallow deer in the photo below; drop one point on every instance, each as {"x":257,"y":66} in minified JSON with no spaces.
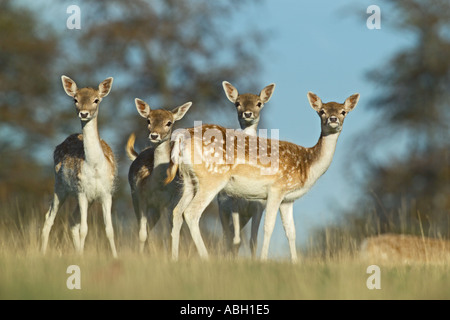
{"x":151,"y":198}
{"x":84,"y":166}
{"x":248,"y":108}
{"x":209,"y":161}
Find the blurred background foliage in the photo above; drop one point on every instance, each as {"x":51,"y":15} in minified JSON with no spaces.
{"x":165,"y":52}
{"x":172,"y":51}
{"x":409,"y":193}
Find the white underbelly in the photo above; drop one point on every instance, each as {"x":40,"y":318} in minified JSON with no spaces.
{"x":246,"y":188}
{"x":294,"y":195}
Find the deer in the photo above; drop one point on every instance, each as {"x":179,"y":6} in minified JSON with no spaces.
{"x":84,"y":168}
{"x":248,"y":107}
{"x":210,"y":159}
{"x":151,"y":198}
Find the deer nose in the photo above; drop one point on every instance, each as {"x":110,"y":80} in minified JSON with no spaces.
{"x":248,"y":114}
{"x":83,"y":114}
{"x":154,"y":136}
{"x":333,"y":119}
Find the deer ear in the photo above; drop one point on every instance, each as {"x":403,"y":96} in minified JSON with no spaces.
{"x":142,"y":107}
{"x":230,"y":91}
{"x":267,"y":92}
{"x":179,"y":112}
{"x":70,"y":87}
{"x":351,"y":102}
{"x":105,"y":87}
{"x":314,"y":101}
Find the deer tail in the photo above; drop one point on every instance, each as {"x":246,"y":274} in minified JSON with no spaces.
{"x":131,"y":153}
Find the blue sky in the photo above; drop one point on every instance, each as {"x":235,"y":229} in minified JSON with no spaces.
{"x":324,"y":47}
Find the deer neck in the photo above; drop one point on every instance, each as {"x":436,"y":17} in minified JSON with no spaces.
{"x":249,"y":129}
{"x":162,"y":153}
{"x":93,"y":150}
{"x":323,"y":155}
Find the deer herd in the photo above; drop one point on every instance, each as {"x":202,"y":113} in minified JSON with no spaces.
{"x":183,"y":170}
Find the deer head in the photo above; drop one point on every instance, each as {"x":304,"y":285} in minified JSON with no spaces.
{"x":248,"y":105}
{"x":86,"y":100}
{"x":332,"y":114}
{"x":160,"y":122}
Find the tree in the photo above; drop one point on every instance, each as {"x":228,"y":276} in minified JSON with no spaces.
{"x":415,"y":82}
{"x":28,"y":49}
{"x":415,"y":98}
{"x":165,"y":52}
{"x":409,"y":193}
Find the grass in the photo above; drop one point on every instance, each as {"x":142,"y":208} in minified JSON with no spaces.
{"x":136,"y":277}
{"x":26,"y":274}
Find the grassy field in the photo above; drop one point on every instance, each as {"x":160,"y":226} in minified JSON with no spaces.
{"x":26,"y":274}
{"x":134,"y":277}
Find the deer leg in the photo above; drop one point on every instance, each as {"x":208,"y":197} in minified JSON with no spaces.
{"x":177,"y":217}
{"x":225,"y":212}
{"x":74,"y":224}
{"x":167,"y":225}
{"x":106,"y":207}
{"x":153,"y":214}
{"x":273,"y":203}
{"x":286,"y":211}
{"x":205,"y":194}
{"x":141,"y":219}
{"x":236,"y":231}
{"x":142,"y":233}
{"x":58,"y":200}
{"x":257,"y":210}
{"x":83,"y":204}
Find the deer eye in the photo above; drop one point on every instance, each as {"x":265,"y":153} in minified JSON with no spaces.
{"x":169,"y":123}
{"x":321,"y":112}
{"x":148,"y":121}
{"x":343,"y":113}
{"x":259,"y":104}
{"x":96,"y":101}
{"x":75,"y":100}
{"x":238,"y":104}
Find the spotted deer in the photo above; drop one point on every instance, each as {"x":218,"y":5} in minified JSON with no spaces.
{"x":151,"y":198}
{"x":209,"y":161}
{"x":248,"y":108}
{"x":84,"y":166}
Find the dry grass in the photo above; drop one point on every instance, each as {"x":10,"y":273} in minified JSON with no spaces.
{"x":406,"y":249}
{"x":26,"y":274}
